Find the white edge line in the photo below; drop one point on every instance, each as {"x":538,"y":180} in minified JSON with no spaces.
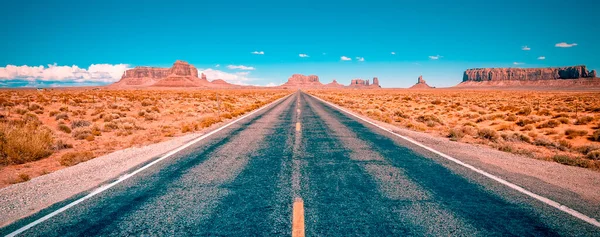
{"x":543,"y":199}
{"x":129,"y":175}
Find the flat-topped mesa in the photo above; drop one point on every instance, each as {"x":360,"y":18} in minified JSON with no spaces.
{"x":299,"y":80}
{"x":181,"y":74}
{"x":360,"y":83}
{"x":526,"y":74}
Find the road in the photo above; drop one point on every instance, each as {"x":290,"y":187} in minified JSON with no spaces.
{"x":303,"y":166}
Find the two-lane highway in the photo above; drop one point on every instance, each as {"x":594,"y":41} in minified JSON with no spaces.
{"x":302,"y":166}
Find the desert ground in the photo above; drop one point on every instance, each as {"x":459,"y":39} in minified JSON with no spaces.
{"x":42,"y":131}
{"x":549,"y":125}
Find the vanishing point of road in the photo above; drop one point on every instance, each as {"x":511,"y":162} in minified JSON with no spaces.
{"x":302,"y":167}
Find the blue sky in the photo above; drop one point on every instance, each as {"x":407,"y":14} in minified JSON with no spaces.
{"x":464,"y":34}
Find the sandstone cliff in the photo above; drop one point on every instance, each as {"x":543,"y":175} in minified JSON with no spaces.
{"x":531,"y":78}
{"x":181,"y":74}
{"x":360,"y":83}
{"x":526,"y":74}
{"x":299,"y":80}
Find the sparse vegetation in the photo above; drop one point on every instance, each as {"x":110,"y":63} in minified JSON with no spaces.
{"x":534,"y":124}
{"x":73,"y":158}
{"x":56,"y":122}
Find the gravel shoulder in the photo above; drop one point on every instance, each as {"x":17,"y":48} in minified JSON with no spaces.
{"x":572,"y":186}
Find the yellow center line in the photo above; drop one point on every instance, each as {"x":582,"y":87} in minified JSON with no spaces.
{"x":298,"y":218}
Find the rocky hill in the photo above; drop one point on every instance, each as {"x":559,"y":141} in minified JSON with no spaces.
{"x":334,"y":84}
{"x":421,"y":84}
{"x":181,"y":74}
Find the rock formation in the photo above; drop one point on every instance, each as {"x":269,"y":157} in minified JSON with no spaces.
{"x":376,"y":81}
{"x":421,"y":84}
{"x":299,"y":80}
{"x":334,"y":84}
{"x":181,"y":74}
{"x":312,"y":81}
{"x":360,"y":83}
{"x":553,"y":77}
{"x":527,"y":74}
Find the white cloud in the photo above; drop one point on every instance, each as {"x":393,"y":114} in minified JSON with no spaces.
{"x":303,"y":55}
{"x":360,"y":59}
{"x":518,"y":63}
{"x":393,"y":53}
{"x":525,"y":48}
{"x":218,"y":65}
{"x":240,"y":78}
{"x":104,"y":73}
{"x":240,"y":67}
{"x":344,"y":58}
{"x":565,"y":45}
{"x":258,"y":52}
{"x":542,"y":57}
{"x":271,"y":84}
{"x":436,"y":57}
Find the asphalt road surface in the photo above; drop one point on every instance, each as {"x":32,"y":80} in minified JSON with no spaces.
{"x":301,"y":166}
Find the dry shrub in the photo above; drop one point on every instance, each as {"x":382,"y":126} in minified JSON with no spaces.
{"x":544,"y":141}
{"x":60,"y":144}
{"x":80,"y":123}
{"x":595,"y":136}
{"x":76,"y":157}
{"x":208,"y":121}
{"x":584,"y":120}
{"x":147,"y":102}
{"x":64,"y":128}
{"x":455,"y":134}
{"x":63,"y":116}
{"x":573,"y":161}
{"x":34,"y":106}
{"x":489,"y":134}
{"x":552,"y":123}
{"x":573,"y":133}
{"x":22,"y":177}
{"x":81,"y":133}
{"x":525,"y":111}
{"x":593,"y":155}
{"x":20,"y":143}
{"x":430,"y":120}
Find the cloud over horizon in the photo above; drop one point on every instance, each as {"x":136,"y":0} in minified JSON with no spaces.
{"x":240,"y":67}
{"x":238,"y":78}
{"x":344,"y":58}
{"x":97,"y":73}
{"x":565,"y":45}
{"x":360,"y":59}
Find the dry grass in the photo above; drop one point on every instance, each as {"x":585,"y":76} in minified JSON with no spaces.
{"x":559,"y":126}
{"x":50,"y":127}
